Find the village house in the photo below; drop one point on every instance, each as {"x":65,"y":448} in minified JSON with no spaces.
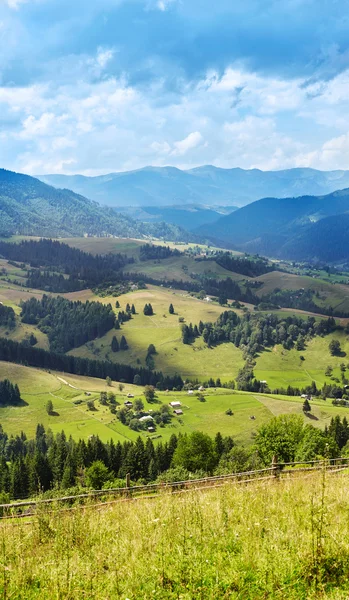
{"x":175,"y":404}
{"x":178,"y":411}
{"x":146,"y":418}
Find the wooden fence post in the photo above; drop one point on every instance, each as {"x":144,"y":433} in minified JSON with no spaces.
{"x":128,"y":480}
{"x":275,"y":466}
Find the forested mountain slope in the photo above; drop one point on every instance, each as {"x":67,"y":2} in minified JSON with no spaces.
{"x":292,"y":228}
{"x":29,"y":206}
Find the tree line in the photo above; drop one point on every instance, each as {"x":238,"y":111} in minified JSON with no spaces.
{"x":68,"y":324}
{"x":16,"y":352}
{"x":251,"y":267}
{"x":152,"y":252}
{"x":7,"y":317}
{"x":30,"y":466}
{"x":54,"y":462}
{"x":83,"y":268}
{"x":253,"y":331}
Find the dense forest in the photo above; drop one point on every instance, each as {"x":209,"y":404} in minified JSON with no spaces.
{"x":244,"y":266}
{"x":252,"y":331}
{"x":15,"y":352}
{"x":150,"y":252}
{"x":68,"y":324}
{"x":88,"y":270}
{"x":53,"y":282}
{"x":7,"y":317}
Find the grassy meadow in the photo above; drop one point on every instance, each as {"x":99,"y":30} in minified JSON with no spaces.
{"x":272,"y":539}
{"x":70,"y":393}
{"x":331,"y":294}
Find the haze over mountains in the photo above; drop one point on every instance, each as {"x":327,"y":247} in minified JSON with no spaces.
{"x":307,"y":227}
{"x":303,"y":228}
{"x":207,"y":185}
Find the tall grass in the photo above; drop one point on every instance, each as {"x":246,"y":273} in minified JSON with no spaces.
{"x":285,"y":539}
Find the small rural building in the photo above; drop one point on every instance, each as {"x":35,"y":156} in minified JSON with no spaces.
{"x":128,"y":404}
{"x":190,"y":392}
{"x":130,"y":395}
{"x":146,"y":418}
{"x":201,"y":388}
{"x":151,"y":429}
{"x":263,"y":381}
{"x":208,"y":299}
{"x":178,"y":411}
{"x":175,"y":404}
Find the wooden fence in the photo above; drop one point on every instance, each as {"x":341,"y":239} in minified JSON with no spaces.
{"x":28,"y":508}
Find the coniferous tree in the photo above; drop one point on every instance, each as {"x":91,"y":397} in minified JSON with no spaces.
{"x":123,"y":343}
{"x":115,"y":344}
{"x":171,"y":309}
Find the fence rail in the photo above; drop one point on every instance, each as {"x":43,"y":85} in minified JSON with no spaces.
{"x":27,"y":508}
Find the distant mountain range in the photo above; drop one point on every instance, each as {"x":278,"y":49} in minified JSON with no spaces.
{"x":30,"y":207}
{"x":303,"y":228}
{"x":207,"y":185}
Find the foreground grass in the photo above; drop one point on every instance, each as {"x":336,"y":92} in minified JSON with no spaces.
{"x":274,"y":540}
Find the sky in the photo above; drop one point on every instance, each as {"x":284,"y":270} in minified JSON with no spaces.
{"x":97,"y":86}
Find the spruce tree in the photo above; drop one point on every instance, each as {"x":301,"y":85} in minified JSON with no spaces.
{"x":115,"y":344}
{"x":123,"y":343}
{"x":171,"y":309}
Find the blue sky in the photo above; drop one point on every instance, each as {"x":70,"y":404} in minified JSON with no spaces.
{"x":94,"y":86}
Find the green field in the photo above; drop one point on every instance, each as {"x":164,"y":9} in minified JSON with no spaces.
{"x":271,"y":539}
{"x":331,"y":294}
{"x":164,"y":331}
{"x":38,"y":386}
{"x":280,"y":367}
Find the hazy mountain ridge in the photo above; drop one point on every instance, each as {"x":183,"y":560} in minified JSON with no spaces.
{"x":303,"y":228}
{"x":206,"y":185}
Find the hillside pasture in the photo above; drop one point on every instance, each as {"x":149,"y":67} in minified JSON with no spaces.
{"x":164,"y":331}
{"x":106,"y":245}
{"x":181,"y":268}
{"x":331,"y":294}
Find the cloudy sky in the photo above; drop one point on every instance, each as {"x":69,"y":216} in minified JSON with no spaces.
{"x":93,"y":86}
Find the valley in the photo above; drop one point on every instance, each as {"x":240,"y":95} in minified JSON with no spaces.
{"x":196,"y":362}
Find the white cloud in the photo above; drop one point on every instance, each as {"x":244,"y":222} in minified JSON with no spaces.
{"x":333,"y":154}
{"x":239,"y":119}
{"x":183,"y":146}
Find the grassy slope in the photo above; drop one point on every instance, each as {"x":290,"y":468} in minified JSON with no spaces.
{"x":37,"y":387}
{"x":282,"y":367}
{"x":336,"y":295}
{"x":234,"y":542}
{"x":164,"y":331}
